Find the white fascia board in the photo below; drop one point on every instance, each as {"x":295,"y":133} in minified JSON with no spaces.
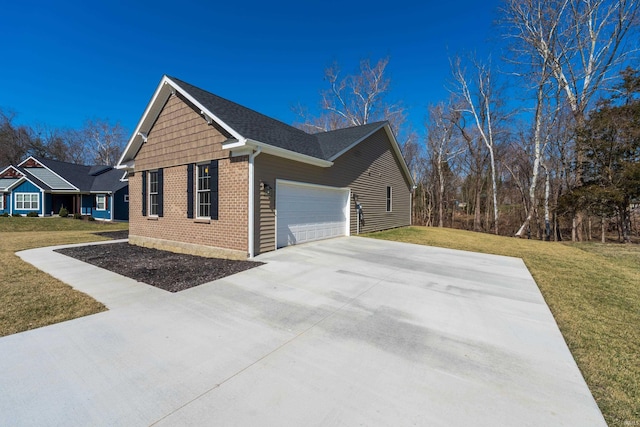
{"x":232,"y":144}
{"x":126,"y":166}
{"x":49,"y":169}
{"x":290,"y":155}
{"x":243,"y":145}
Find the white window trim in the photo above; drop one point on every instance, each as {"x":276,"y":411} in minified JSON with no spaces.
{"x":150,"y":205}
{"x":104,"y":198}
{"x":126,"y":198}
{"x":1,"y":201}
{"x":389,"y":199}
{"x":198,"y":191}
{"x":31,"y":208}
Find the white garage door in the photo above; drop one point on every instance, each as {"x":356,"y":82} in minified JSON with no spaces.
{"x":307,"y":212}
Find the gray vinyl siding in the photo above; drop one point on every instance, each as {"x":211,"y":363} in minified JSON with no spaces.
{"x":367,"y":169}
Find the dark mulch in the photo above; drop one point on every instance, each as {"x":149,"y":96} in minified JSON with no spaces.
{"x":115,"y":235}
{"x":165,"y":270}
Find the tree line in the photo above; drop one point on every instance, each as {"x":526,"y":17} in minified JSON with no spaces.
{"x":97,"y":142}
{"x":542,"y":142}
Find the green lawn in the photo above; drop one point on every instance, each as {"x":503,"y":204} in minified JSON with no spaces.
{"x":593,"y":291}
{"x":30,"y":298}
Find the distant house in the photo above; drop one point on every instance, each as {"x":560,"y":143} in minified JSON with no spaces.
{"x":45,"y":186}
{"x":210,"y":176}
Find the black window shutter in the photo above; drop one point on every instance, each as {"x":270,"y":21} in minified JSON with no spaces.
{"x":160,"y":192}
{"x":213,"y":171}
{"x":144,"y":193}
{"x":190,"y":168}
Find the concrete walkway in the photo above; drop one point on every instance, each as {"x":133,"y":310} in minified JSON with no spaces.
{"x":348,"y":331}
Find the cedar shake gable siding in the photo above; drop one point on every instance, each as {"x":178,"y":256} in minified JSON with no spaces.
{"x":366,"y":169}
{"x":181,"y":136}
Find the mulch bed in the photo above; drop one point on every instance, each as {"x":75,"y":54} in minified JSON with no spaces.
{"x":165,"y":270}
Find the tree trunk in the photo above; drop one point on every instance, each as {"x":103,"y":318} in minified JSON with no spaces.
{"x":477,"y":218}
{"x":440,"y":194}
{"x":602,"y":230}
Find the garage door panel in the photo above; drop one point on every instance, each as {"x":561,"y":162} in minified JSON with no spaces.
{"x":306,"y":212}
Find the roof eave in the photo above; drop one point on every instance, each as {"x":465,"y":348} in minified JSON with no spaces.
{"x":278,"y":152}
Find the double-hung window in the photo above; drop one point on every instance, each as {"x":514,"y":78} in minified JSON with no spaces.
{"x":27,"y":201}
{"x":153,"y":193}
{"x":1,"y":201}
{"x":203,"y":189}
{"x":101,"y":202}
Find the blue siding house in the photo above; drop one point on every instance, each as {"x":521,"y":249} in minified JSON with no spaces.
{"x":45,"y":186}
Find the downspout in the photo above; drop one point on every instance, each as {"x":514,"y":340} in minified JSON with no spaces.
{"x":252,"y":157}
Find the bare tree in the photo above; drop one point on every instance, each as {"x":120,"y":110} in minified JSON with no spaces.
{"x":103,"y":141}
{"x":15,"y":140}
{"x":480,"y":102}
{"x":443,"y":148}
{"x":580,"y":41}
{"x":353,"y":100}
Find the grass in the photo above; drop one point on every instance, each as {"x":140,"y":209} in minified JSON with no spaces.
{"x":30,"y":298}
{"x":593,"y":291}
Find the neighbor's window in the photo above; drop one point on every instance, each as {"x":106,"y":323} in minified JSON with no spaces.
{"x":27,"y":201}
{"x":1,"y":201}
{"x":204,"y":191}
{"x":101,"y":202}
{"x":389,"y":199}
{"x":153,"y":193}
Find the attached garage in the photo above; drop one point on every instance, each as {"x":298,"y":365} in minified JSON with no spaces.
{"x":307,"y":212}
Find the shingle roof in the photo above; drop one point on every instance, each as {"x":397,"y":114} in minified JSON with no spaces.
{"x":254,"y":125}
{"x":85,"y":178}
{"x":335,"y":141}
{"x":109,"y":180}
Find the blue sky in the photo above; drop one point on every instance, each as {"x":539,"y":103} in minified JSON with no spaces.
{"x":65,"y":62}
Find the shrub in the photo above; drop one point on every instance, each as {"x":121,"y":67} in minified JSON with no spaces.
{"x":32,"y":214}
{"x":15,"y":214}
{"x":77,"y":216}
{"x":91,"y":218}
{"x":63,"y":212}
{"x":5,"y":214}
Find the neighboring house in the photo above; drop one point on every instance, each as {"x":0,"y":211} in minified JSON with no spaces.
{"x":45,"y":186}
{"x":212,"y":177}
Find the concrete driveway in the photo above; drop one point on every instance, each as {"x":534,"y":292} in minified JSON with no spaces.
{"x":348,"y":331}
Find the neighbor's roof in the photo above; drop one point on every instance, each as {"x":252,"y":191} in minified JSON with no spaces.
{"x":246,"y":127}
{"x":55,"y":175}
